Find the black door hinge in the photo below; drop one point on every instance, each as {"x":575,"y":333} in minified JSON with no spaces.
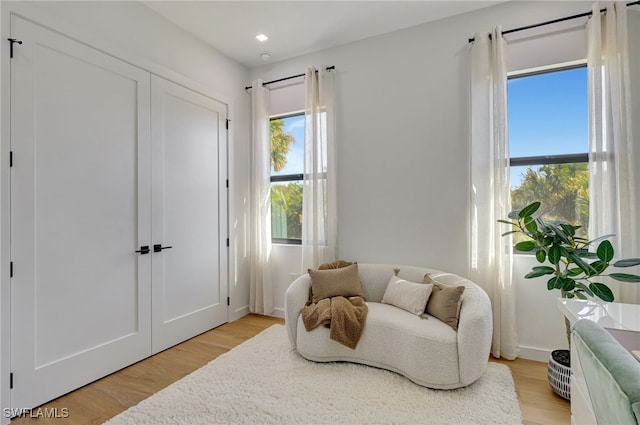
{"x":227,"y":241}
{"x":12,"y":41}
{"x":10,"y":158}
{"x":227,"y":125}
{"x":227,"y":183}
{"x":228,"y":301}
{"x":11,"y":381}
{"x":11,"y":269}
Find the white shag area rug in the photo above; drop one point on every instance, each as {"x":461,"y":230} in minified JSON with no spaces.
{"x":263,"y":381}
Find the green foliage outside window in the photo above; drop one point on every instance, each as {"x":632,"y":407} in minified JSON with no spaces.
{"x":280,"y":142}
{"x":563,"y":190}
{"x":286,"y":210}
{"x":286,"y":198}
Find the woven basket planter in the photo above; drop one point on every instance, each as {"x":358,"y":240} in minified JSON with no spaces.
{"x":559,"y":373}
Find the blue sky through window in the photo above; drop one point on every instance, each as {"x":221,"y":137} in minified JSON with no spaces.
{"x":548,"y":115}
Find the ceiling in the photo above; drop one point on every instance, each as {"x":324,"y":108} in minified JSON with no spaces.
{"x":298,"y":27}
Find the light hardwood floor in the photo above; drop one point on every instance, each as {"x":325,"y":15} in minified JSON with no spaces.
{"x":105,"y":398}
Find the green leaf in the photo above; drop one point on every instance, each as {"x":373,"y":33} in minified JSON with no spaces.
{"x":554,"y":254}
{"x":601,"y":291}
{"x":584,"y":287}
{"x":554,"y":283}
{"x":571,"y":295}
{"x":601,"y":238}
{"x":541,"y":255}
{"x":544,"y":268}
{"x":507,"y":222}
{"x":629,"y":262}
{"x":574,"y":271}
{"x":529,"y":210}
{"x":589,"y":255}
{"x":560,"y":233}
{"x":605,"y":251}
{"x":530,"y":224}
{"x":600,"y":266}
{"x":539,"y":271}
{"x":580,"y":295}
{"x":525,"y":246}
{"x":568,"y":229}
{"x":535,"y":273}
{"x":586,"y":267}
{"x":510,"y":232}
{"x":625,"y":277}
{"x":568,"y":284}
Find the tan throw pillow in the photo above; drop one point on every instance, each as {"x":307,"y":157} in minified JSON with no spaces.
{"x":444,"y":302}
{"x":338,"y":264}
{"x":343,"y":282}
{"x":409,"y":296}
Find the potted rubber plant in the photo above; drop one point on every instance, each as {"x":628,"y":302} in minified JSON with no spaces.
{"x":574,"y":266}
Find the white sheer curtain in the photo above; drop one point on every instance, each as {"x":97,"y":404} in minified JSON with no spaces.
{"x":319,"y":184}
{"x":612,"y":189}
{"x":491,"y":254}
{"x":261,"y":286}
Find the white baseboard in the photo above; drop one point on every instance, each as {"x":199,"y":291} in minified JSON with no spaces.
{"x":534,"y":353}
{"x":244,"y":310}
{"x":278,"y":312}
{"x":238,"y":313}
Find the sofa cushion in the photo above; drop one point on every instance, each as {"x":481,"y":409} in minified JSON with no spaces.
{"x":343,"y":282}
{"x":409,"y":296}
{"x":426,"y":351}
{"x":444,"y":302}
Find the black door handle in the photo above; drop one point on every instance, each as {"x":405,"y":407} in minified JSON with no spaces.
{"x":159,"y":247}
{"x":144,"y":249}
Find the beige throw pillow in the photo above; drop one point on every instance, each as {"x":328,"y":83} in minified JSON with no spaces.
{"x":445,"y":301}
{"x":338,"y":264}
{"x":343,"y":282}
{"x":409,"y":296}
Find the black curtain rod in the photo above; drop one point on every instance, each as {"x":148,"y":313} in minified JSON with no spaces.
{"x":329,"y":68}
{"x":554,"y":21}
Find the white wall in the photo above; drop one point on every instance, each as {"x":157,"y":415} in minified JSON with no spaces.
{"x":135,"y":33}
{"x":403,"y":147}
{"x":634,"y":68}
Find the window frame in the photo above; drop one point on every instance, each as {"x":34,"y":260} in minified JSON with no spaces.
{"x":572,"y":158}
{"x":282,"y":178}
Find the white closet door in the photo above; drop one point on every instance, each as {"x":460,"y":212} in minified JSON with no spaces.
{"x":80,"y":207}
{"x":189,"y":213}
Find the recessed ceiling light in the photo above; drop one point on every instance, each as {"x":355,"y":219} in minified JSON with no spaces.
{"x":262,"y":37}
{"x":265,"y":56}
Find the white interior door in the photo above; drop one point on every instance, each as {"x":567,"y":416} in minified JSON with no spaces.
{"x":189,"y":213}
{"x":80,"y":207}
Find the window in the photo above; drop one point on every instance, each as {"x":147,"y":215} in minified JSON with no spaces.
{"x":549,"y":143}
{"x":287,"y":170}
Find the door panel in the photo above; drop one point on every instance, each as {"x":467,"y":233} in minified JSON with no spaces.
{"x":80,"y":207}
{"x":188,"y":151}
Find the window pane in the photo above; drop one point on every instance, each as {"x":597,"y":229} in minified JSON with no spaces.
{"x":286,"y":210}
{"x":548,"y":113}
{"x":562,"y":189}
{"x":287,"y":145}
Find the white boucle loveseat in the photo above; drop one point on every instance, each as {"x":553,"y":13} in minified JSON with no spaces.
{"x":427,"y":351}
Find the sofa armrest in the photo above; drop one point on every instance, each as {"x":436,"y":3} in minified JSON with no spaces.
{"x":295,"y":298}
{"x":475,"y":331}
